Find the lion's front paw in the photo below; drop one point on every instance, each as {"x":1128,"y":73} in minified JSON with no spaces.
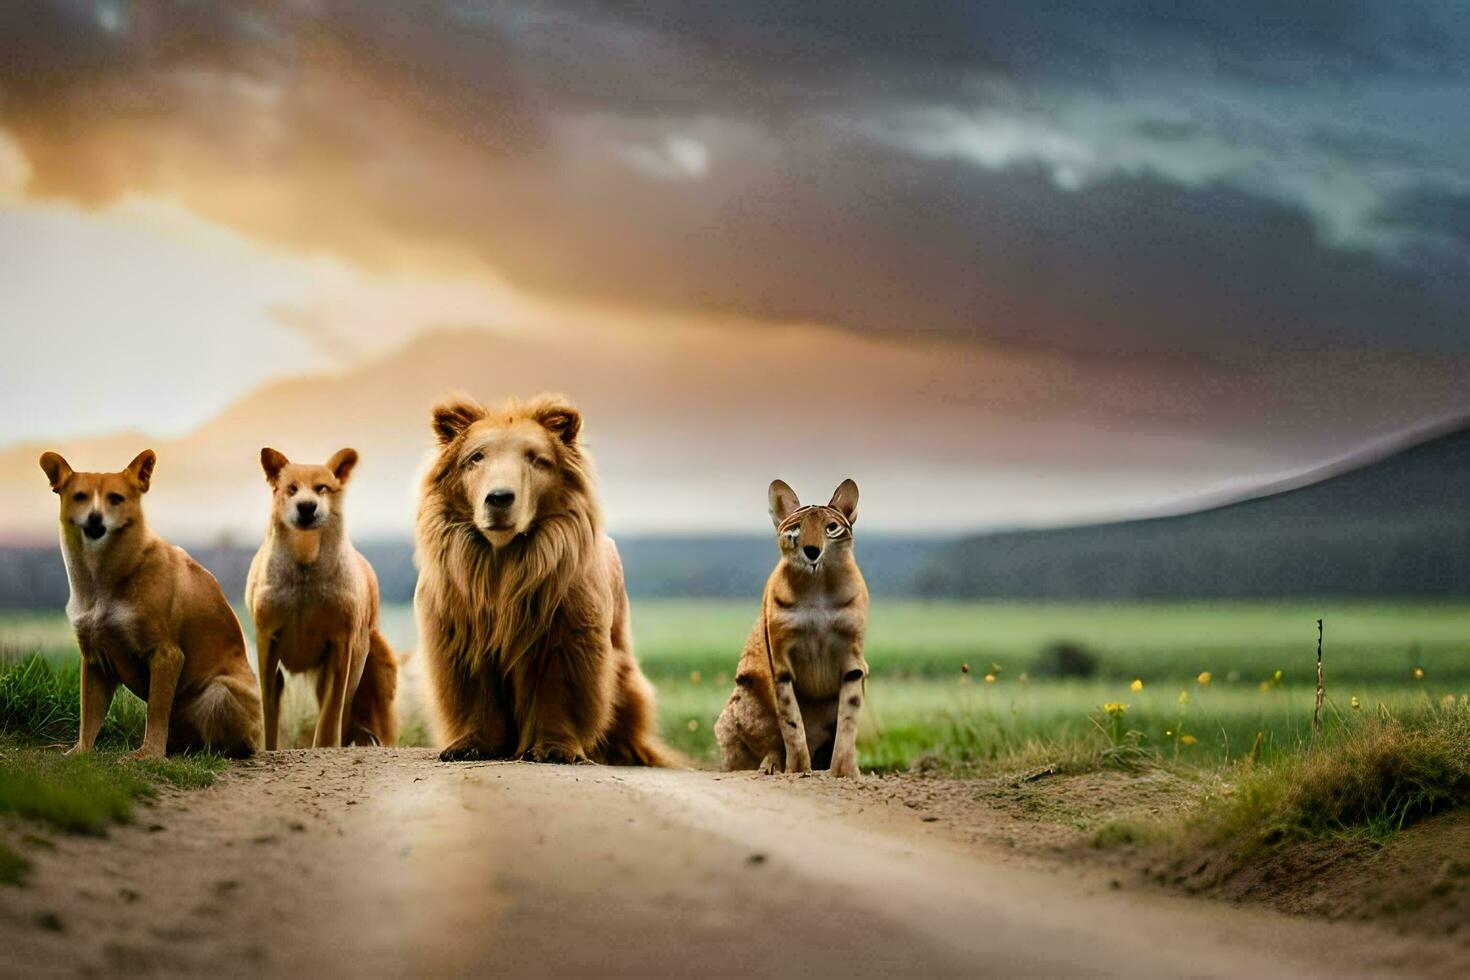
{"x":465,"y":752}
{"x":556,"y":754}
{"x":845,"y":768}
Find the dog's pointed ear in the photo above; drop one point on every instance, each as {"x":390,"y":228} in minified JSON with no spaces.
{"x":272,"y":461}
{"x":341,"y":464}
{"x":844,"y":501}
{"x":783,"y":501}
{"x":559,"y":416}
{"x":455,"y":414}
{"x":141,"y":469}
{"x":58,"y":470}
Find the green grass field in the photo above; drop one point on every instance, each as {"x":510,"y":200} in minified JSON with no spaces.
{"x":922,"y":708}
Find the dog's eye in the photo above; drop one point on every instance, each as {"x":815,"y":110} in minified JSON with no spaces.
{"x":475,"y":458}
{"x":115,"y":499}
{"x":320,"y":488}
{"x":538,"y":461}
{"x":79,"y":497}
{"x":291,"y":490}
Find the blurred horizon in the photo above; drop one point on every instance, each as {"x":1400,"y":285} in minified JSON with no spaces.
{"x":1007,"y":266}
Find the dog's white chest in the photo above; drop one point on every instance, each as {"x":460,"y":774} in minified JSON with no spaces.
{"x":104,"y":623}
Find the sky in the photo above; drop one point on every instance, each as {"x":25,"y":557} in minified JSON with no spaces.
{"x":1124,"y":252}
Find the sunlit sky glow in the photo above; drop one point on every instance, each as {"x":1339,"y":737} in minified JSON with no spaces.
{"x":1123,"y":252}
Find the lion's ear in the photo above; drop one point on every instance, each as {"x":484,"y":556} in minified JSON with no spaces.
{"x":560,"y":417}
{"x":455,"y":414}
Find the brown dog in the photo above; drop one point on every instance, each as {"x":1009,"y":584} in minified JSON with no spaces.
{"x":800,"y":683}
{"x":314,"y":598}
{"x":521,"y":607}
{"x":151,"y":618}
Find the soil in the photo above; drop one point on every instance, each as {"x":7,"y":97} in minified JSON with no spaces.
{"x":388,"y":862}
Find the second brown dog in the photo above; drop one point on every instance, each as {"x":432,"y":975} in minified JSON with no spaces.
{"x":314,"y":598}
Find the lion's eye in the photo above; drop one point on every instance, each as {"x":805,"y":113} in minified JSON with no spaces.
{"x":115,"y":499}
{"x":79,"y":497}
{"x":320,"y":488}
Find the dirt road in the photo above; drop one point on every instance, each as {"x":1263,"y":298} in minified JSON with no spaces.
{"x":372,"y":862}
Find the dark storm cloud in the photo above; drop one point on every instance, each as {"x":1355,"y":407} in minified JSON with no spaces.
{"x":1104,"y":176}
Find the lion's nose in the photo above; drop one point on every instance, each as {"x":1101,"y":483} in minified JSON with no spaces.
{"x":812,"y":552}
{"x":500,"y":498}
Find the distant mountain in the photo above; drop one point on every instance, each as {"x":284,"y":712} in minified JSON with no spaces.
{"x":1395,"y":522}
{"x":712,"y":567}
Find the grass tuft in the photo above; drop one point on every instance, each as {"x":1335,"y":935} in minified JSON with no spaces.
{"x":1377,"y":780}
{"x":41,"y":703}
{"x":87,"y":793}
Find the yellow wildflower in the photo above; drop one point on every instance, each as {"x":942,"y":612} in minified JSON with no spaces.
{"x":1115,"y":708}
{"x":1188,"y":739}
{"x":1353,"y":701}
{"x":990,"y":678}
{"x":1418,"y":673}
{"x":1204,"y":678}
{"x":1276,"y":677}
{"x":1137,"y":685}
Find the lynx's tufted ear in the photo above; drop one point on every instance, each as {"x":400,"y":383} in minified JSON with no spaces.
{"x":783,"y":501}
{"x":844,"y":501}
{"x":141,"y":469}
{"x":58,"y":470}
{"x":455,"y":414}
{"x":272,"y":461}
{"x":559,"y":416}
{"x":341,"y":464}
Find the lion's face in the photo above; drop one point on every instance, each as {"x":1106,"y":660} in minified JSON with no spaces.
{"x":506,"y":468}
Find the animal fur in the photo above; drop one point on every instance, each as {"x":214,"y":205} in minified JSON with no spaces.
{"x":800,"y":685}
{"x":314,"y":599}
{"x":149,"y":617}
{"x":521,"y":606}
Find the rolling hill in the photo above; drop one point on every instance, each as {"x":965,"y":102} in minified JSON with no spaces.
{"x":1394,"y":522}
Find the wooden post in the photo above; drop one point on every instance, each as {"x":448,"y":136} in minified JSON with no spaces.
{"x":1317,"y":712}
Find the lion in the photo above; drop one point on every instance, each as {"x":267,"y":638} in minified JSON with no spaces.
{"x":521,"y":605}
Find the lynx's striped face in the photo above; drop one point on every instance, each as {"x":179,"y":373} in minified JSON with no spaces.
{"x":810,"y":535}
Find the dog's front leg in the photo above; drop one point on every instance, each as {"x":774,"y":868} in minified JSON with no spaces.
{"x":272,"y":683}
{"x":357,"y":661}
{"x":165,"y":664}
{"x":793,"y":731}
{"x":332,"y":695}
{"x":849,"y":705}
{"x":97,"y":691}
